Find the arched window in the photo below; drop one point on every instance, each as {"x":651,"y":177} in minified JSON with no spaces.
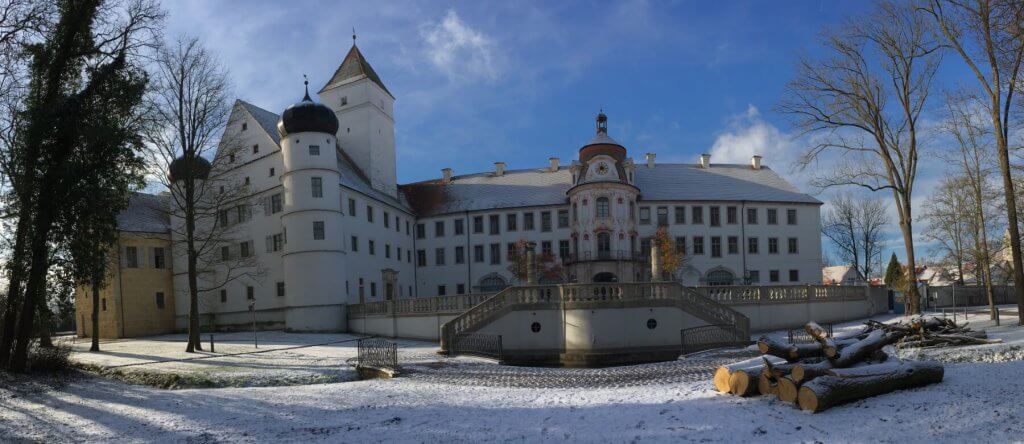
{"x":719,"y":277}
{"x":492,"y":283}
{"x":603,"y":207}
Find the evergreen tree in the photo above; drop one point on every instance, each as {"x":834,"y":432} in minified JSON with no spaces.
{"x":893,"y":272}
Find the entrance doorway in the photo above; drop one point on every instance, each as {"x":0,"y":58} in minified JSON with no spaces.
{"x":605,"y":277}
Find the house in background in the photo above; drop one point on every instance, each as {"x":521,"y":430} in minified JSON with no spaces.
{"x":841,"y":275}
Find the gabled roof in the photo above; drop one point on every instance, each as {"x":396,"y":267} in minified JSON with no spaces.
{"x":146,"y":213}
{"x":266,"y":119}
{"x":354,"y":67}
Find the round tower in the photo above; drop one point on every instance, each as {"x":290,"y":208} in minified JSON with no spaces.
{"x":313,"y":253}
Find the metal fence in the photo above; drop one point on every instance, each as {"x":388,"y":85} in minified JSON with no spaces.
{"x":800,"y":336}
{"x":377,"y":353}
{"x":969,"y":295}
{"x":712,"y":336}
{"x":477,"y":344}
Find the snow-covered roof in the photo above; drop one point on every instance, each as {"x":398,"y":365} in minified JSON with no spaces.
{"x":664,"y":182}
{"x":837,"y":274}
{"x":146,"y":213}
{"x":602,"y":138}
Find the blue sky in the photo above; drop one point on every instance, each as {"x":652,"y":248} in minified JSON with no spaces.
{"x":479,"y":82}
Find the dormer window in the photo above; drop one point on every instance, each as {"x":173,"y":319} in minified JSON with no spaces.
{"x":344,"y":100}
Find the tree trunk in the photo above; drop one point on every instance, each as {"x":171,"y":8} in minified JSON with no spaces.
{"x":194,"y":340}
{"x":721,"y":379}
{"x":1011,"y":220}
{"x":910,"y":294}
{"x":39,"y":252}
{"x":862,"y":349}
{"x":788,"y":389}
{"x":792,"y":352}
{"x":863,"y":382}
{"x":804,"y":372}
{"x":95,"y":316}
{"x":17,"y":267}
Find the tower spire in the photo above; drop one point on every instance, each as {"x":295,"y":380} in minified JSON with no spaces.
{"x":306,"y":83}
{"x":353,"y":36}
{"x":602,"y":122}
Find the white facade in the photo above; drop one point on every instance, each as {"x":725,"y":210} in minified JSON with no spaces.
{"x":362,"y":237}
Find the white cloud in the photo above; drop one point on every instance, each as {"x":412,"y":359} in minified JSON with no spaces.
{"x":749,"y":134}
{"x":460,"y":51}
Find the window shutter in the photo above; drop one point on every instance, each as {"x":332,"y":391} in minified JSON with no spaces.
{"x":270,"y":243}
{"x":266,"y":205}
{"x":152,"y":256}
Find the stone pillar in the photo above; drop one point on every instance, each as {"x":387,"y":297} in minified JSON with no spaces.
{"x":531,"y":263}
{"x":655,"y":263}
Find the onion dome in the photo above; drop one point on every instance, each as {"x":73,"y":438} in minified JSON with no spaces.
{"x":184,"y":167}
{"x":307,"y":116}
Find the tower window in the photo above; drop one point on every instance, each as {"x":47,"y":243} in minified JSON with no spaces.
{"x":603,"y":207}
{"x":280,"y":288}
{"x":317,"y":185}
{"x":344,"y":100}
{"x":314,"y":150}
{"x":318,"y":230}
{"x":223,"y":296}
{"x":271,"y":171}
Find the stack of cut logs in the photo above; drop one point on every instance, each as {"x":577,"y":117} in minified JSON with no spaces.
{"x":832,"y":371}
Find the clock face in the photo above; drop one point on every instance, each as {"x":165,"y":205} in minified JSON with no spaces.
{"x":602,"y":168}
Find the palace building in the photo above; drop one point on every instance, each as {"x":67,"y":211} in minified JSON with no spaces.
{"x":329,"y":225}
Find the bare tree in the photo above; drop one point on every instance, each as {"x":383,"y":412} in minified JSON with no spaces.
{"x":987,"y":36}
{"x":190,"y":111}
{"x":865,"y":101}
{"x":948,"y":215}
{"x":965,"y":122}
{"x":854,"y":226}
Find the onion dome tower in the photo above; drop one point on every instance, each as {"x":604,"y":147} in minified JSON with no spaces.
{"x":313,"y":252}
{"x":186,"y":167}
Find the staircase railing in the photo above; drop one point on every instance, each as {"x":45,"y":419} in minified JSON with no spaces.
{"x":556,"y":296}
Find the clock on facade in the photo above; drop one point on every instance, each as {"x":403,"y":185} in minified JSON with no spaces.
{"x":602,"y":168}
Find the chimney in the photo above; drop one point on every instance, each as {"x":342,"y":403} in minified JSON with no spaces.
{"x":755,"y":162}
{"x":554,"y":163}
{"x":446,"y":175}
{"x":705,"y":160}
{"x":650,"y":160}
{"x":499,"y":168}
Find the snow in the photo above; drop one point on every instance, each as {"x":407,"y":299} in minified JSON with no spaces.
{"x":974,"y":402}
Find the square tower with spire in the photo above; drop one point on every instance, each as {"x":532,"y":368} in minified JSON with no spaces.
{"x":365,"y":111}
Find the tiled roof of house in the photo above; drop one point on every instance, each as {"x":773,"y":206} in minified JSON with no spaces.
{"x":146,"y":213}
{"x":664,"y":182}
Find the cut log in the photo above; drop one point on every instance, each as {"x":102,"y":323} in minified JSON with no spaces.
{"x":804,"y":372}
{"x":778,"y":370}
{"x":744,"y":382}
{"x":721,"y":379}
{"x":816,"y":331}
{"x":860,"y":350}
{"x":862,"y":382}
{"x":766,"y":385}
{"x":792,"y":352}
{"x":788,"y":389}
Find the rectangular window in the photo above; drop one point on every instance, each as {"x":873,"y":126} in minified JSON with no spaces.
{"x":372,"y":246}
{"x":243,"y":250}
{"x":318,"y":230}
{"x":460,"y":289}
{"x":159,"y":257}
{"x":754,"y":276}
{"x":225,"y":253}
{"x":439,"y":228}
{"x":373,"y":289}
{"x":645,"y":215}
{"x":792,"y":245}
{"x":256,"y":149}
{"x":352,"y":207}
{"x":160,"y":301}
{"x":794,"y":275}
{"x":681,"y":245}
{"x":716,"y":246}
{"x":734,"y":245}
{"x":511,"y":222}
{"x":545,"y":221}
{"x":563,"y":218}
{"x":697,"y":215}
{"x":773,"y":216}
{"x":250,"y":293}
{"x":716,"y":216}
{"x":317,"y":185}
{"x":773,"y":245}
{"x":494,"y":221}
{"x":528,"y":221}
{"x":398,"y":226}
{"x":224,"y":219}
{"x":698,"y":245}
{"x":272,"y":172}
{"x":439,"y":256}
{"x":680,"y":215}
{"x":752,"y":216}
{"x":731,"y":215}
{"x":354,"y":244}
{"x":563,"y":249}
{"x":223,"y":296}
{"x":421,"y":231}
{"x":752,"y":245}
{"x":278,"y":240}
{"x":460,"y":255}
{"x":773,"y":275}
{"x":387,"y":220}
{"x":369,"y":214}
{"x":280,"y":289}
{"x":478,"y":224}
{"x":495,"y":254}
{"x":510,"y":250}
{"x":460,"y":227}
{"x":242,"y":211}
{"x":314,"y":150}
{"x":398,"y":253}
{"x":421,"y":258}
{"x":662,"y":216}
{"x":790,"y":217}
{"x":478,"y":253}
{"x":545,"y":247}
{"x":645,"y":248}
{"x":441,"y":290}
{"x":275,"y":203}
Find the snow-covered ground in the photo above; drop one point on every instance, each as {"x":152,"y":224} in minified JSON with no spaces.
{"x":977,"y":401}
